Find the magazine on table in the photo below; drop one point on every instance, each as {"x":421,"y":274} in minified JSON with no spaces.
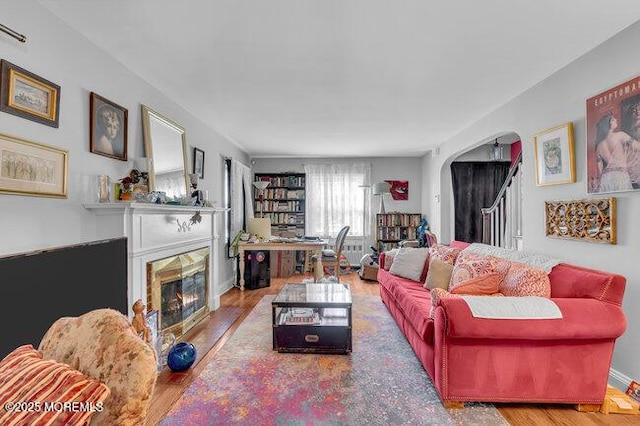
{"x":302,"y":316}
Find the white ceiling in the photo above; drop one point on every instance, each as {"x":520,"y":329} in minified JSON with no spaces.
{"x":326,"y":78}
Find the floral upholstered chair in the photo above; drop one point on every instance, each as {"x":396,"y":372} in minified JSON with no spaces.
{"x":103,"y":345}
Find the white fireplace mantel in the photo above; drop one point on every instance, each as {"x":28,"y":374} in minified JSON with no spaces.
{"x":157,"y":231}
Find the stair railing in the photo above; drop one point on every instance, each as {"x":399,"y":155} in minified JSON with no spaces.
{"x":502,"y":222}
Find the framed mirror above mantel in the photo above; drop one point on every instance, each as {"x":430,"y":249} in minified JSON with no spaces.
{"x":165,"y":143}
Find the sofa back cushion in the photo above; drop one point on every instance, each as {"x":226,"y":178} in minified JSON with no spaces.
{"x":410,"y":262}
{"x":438,"y":275}
{"x":524,"y":280}
{"x":387,"y":258}
{"x":444,"y":253}
{"x":477,"y":274}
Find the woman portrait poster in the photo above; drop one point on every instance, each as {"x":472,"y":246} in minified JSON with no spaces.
{"x":108,"y":128}
{"x":613,"y":148}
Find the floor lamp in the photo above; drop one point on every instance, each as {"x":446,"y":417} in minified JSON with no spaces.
{"x":260,"y":226}
{"x":380,"y":189}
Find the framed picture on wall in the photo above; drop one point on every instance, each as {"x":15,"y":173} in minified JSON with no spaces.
{"x":29,"y":96}
{"x":198,"y":162}
{"x":31,"y":168}
{"x":555,"y":156}
{"x":613,"y":139}
{"x":108,"y":128}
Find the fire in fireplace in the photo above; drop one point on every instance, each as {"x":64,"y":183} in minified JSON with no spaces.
{"x":177,"y":287}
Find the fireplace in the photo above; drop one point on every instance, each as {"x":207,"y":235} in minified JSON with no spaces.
{"x":162,"y":234}
{"x":177,"y":287}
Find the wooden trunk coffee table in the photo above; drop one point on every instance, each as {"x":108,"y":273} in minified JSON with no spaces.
{"x":314,"y":318}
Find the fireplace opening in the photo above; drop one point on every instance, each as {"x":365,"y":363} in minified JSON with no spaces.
{"x":178,"y":288}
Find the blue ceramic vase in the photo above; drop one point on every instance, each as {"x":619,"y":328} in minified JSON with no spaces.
{"x":181,"y":356}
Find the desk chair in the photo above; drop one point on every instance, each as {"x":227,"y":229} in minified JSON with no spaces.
{"x":332,"y":257}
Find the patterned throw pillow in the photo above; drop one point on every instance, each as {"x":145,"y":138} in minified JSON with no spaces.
{"x":388,"y":258}
{"x":409,"y":263}
{"x":437,"y":294}
{"x":438,"y":275}
{"x":477,"y":274}
{"x":444,"y":253}
{"x":26,"y":377}
{"x":524,"y":280}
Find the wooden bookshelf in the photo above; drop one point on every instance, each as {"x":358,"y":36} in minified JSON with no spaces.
{"x":284,"y":204}
{"x":391,"y":228}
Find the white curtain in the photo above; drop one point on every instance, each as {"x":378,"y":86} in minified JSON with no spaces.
{"x":336,"y":196}
{"x":241,"y":198}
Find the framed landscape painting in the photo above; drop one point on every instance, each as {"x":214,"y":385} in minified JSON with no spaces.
{"x":613,"y":139}
{"x":29,"y":96}
{"x":30,"y":168}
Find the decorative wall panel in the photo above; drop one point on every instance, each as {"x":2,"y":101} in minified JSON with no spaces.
{"x":591,"y":220}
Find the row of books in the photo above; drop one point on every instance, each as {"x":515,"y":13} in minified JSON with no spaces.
{"x":285,"y":218}
{"x":280,"y":194}
{"x":285,"y":181}
{"x":399,"y":219}
{"x":281,"y":206}
{"x":397,"y":233}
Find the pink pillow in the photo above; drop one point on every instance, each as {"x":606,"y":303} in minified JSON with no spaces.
{"x":525,"y":280}
{"x":477,"y":274}
{"x":444,"y":253}
{"x":482,"y":285}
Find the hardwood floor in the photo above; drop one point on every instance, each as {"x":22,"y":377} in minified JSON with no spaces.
{"x":170,"y":386}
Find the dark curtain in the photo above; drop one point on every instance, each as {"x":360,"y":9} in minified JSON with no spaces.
{"x":475,"y":186}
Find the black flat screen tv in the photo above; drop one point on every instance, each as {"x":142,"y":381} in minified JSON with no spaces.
{"x":41,"y":286}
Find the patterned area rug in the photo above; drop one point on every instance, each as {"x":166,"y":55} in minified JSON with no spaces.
{"x":380,"y":383}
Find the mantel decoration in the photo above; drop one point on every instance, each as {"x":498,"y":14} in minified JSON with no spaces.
{"x":613,"y":139}
{"x":554,"y":153}
{"x":30,"y":168}
{"x":591,"y":220}
{"x":29,"y":96}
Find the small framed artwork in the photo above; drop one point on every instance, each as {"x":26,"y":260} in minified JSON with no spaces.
{"x":108,"y":128}
{"x":29,"y":96}
{"x":30,"y":168}
{"x":555,"y":155}
{"x":399,"y":189}
{"x":198,"y":162}
{"x":634,"y":390}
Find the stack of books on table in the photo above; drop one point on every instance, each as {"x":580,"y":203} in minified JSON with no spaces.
{"x":302,"y":316}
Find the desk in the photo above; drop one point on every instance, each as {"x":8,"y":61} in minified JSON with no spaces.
{"x":312,"y":245}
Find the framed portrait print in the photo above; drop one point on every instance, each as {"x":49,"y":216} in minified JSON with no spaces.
{"x":198,"y":162}
{"x":108,"y":128}
{"x":613,"y":139}
{"x":29,"y":96}
{"x":555,"y":155}
{"x":30,"y":168}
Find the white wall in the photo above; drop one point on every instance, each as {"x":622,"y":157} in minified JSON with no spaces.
{"x":556,"y":100}
{"x":57,"y":53}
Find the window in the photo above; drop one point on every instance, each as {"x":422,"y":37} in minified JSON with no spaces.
{"x":336,"y":197}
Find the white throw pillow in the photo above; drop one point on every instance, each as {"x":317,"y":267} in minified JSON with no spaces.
{"x":409,"y":262}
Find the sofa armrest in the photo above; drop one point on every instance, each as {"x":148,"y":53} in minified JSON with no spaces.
{"x":581,"y":319}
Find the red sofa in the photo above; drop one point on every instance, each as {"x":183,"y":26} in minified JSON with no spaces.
{"x":505,"y":360}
